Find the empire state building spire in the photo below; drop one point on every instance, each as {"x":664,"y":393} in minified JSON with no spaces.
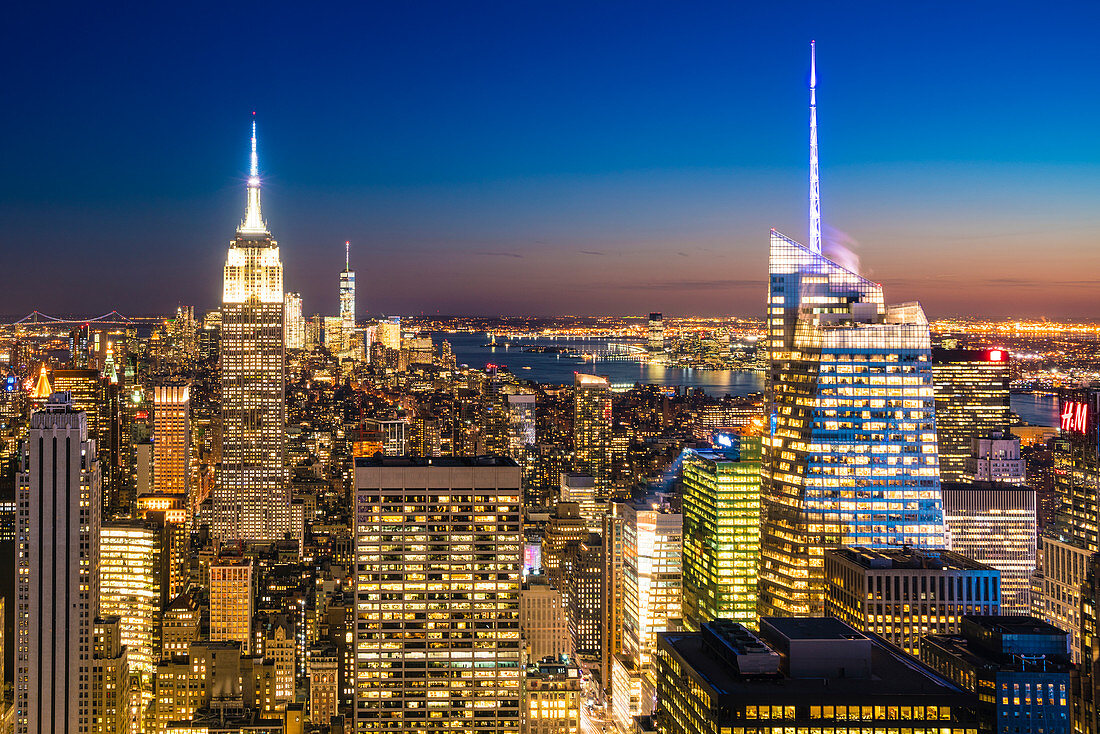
{"x":253,"y":222}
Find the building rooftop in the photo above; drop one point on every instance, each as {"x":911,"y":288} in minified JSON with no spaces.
{"x":894,"y":677}
{"x":442,"y":461}
{"x":907,"y":558}
{"x":1014,"y":625}
{"x":814,"y":628}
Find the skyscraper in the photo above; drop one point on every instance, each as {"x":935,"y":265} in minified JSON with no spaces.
{"x":133,"y":586}
{"x":437,"y":541}
{"x":57,"y":571}
{"x":171,"y":440}
{"x":655,"y":340}
{"x":592,"y":429}
{"x":721,"y":500}
{"x":295,"y":324}
{"x":252,"y":496}
{"x":232,"y":588}
{"x":347,"y":306}
{"x":850,"y":458}
{"x":971,"y":387}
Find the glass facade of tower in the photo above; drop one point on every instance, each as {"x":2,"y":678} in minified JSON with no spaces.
{"x":851,"y":455}
{"x":347,"y":311}
{"x":721,"y":548}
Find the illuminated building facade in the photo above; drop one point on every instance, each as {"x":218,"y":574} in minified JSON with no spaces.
{"x":110,"y":680}
{"x":996,"y":525}
{"x":552,"y":698}
{"x":996,"y":458}
{"x":816,"y":675}
{"x":232,"y":594}
{"x":652,"y":594}
{"x":1071,"y":542}
{"x":295,"y":323}
{"x":57,"y":571}
{"x":132,"y":586}
{"x":904,"y":594}
{"x":347,"y":307}
{"x":171,"y":440}
{"x":437,"y":541}
{"x":655,"y":339}
{"x":592,"y":429}
{"x":971,"y":387}
{"x":252,"y":495}
{"x":850,"y":458}
{"x":721,"y":548}
{"x":611,"y":592}
{"x":521,"y":424}
{"x":1019,"y":667}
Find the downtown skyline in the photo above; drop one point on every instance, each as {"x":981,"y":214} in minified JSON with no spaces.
{"x":545,"y":189}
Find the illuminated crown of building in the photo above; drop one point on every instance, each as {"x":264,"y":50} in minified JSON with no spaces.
{"x":815,"y":184}
{"x":253,"y":222}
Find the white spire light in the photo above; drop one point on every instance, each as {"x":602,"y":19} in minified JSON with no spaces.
{"x":815,"y":183}
{"x":253,"y":223}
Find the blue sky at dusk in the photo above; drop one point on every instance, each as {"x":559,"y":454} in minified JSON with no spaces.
{"x":551,"y":158}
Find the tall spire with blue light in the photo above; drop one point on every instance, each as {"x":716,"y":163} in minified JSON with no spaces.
{"x":253,"y":222}
{"x":815,"y":184}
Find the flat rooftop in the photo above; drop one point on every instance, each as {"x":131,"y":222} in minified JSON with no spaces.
{"x":894,"y":677}
{"x":441,"y":461}
{"x":1015,"y":625}
{"x":907,"y":558}
{"x":814,"y":628}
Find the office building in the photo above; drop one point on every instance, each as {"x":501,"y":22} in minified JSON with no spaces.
{"x":110,"y":680}
{"x":347,"y":307}
{"x":995,"y":458}
{"x":179,"y":626}
{"x":521,"y":424}
{"x":232,"y":595}
{"x":721,"y":546}
{"x":850,"y":453}
{"x":655,"y":338}
{"x":996,"y":524}
{"x":388,"y":333}
{"x":57,"y":571}
{"x":592,"y":429}
{"x":294,"y":328}
{"x":652,"y":594}
{"x":438,"y":550}
{"x":580,"y":489}
{"x":903,"y":594}
{"x":1018,"y":665}
{"x":580,"y":573}
{"x":171,"y":440}
{"x":133,"y":581}
{"x":816,"y":674}
{"x":552,"y":697}
{"x":252,"y":495}
{"x":971,"y":387}
{"x":543,"y":622}
{"x":1070,"y":543}
{"x":611,"y":592}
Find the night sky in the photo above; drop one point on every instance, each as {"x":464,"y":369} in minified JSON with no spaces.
{"x":550,"y":157}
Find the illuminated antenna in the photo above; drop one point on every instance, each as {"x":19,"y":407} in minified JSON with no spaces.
{"x":347,"y":255}
{"x":253,"y":221}
{"x":815,"y":183}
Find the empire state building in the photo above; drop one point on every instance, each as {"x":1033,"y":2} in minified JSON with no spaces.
{"x":252,"y":495}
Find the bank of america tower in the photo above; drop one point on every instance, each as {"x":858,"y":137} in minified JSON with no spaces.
{"x":850,"y":457}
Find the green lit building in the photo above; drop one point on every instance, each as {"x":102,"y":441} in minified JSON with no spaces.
{"x":721,"y":540}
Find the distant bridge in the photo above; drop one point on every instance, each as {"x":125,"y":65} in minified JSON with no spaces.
{"x":37,"y":317}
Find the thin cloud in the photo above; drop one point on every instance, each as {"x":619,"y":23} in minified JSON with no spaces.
{"x":488,"y":253}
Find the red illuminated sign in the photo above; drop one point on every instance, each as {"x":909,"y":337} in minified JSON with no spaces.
{"x":1075,"y":417}
{"x":996,"y":355}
